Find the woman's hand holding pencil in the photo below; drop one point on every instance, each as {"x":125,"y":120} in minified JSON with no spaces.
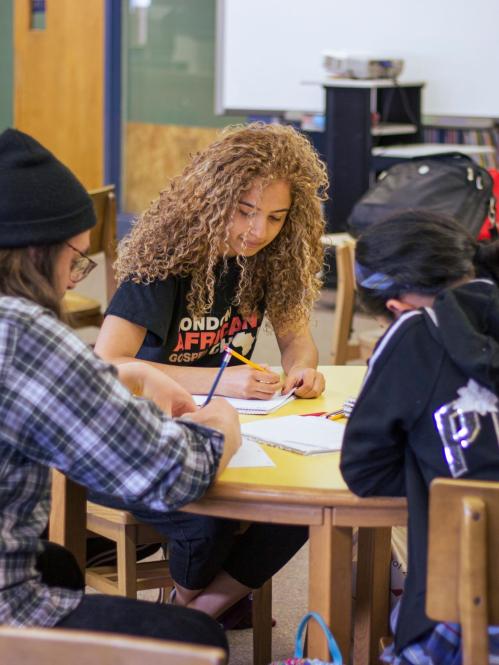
{"x":248,"y":383}
{"x":249,"y":380}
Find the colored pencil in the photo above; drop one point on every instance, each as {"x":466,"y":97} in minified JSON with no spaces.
{"x":243,"y":359}
{"x":223,"y":365}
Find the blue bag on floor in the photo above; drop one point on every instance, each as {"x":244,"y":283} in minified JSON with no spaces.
{"x":298,"y":659}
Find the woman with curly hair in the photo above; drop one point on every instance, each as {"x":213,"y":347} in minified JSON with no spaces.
{"x":237,"y":235}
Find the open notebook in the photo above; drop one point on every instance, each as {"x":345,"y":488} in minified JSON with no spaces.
{"x":257,"y":407}
{"x":299,"y":434}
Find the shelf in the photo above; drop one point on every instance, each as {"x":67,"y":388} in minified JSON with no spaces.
{"x":428,"y":149}
{"x":449,"y":122}
{"x":392,"y":128}
{"x":351,"y":108}
{"x":339,"y":82}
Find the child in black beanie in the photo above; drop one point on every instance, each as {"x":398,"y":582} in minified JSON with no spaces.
{"x":62,"y":407}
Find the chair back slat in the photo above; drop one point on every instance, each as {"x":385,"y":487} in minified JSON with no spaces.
{"x":463,"y":576}
{"x":48,"y":646}
{"x":68,"y":516}
{"x":103,"y":235}
{"x":473,"y":577}
{"x":345,"y":300}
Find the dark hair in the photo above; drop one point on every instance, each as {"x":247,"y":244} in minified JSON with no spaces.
{"x":418,"y":252}
{"x":29,"y":272}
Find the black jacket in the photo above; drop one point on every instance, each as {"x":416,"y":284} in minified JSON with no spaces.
{"x":392,"y":446}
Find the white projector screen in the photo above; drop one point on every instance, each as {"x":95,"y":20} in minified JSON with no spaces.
{"x":268,"y":49}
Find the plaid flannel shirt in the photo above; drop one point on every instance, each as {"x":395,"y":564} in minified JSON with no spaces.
{"x":442,"y":646}
{"x":62,"y":407}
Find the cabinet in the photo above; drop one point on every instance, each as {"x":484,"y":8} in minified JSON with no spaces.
{"x":361,"y":115}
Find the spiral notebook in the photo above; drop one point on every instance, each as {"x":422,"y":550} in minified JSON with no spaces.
{"x":256,"y":407}
{"x":306,"y":436}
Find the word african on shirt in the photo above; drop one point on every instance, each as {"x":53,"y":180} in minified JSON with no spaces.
{"x":209,"y":334}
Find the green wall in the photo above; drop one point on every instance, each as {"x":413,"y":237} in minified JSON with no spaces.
{"x":6,"y":63}
{"x":170,"y":64}
{"x":170,"y":75}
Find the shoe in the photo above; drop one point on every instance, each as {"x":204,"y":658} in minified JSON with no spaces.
{"x":239,"y":616}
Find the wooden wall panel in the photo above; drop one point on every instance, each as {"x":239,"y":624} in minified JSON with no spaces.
{"x":59,"y":82}
{"x":155,"y":153}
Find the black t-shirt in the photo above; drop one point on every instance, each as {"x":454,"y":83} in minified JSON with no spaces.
{"x":173,"y":337}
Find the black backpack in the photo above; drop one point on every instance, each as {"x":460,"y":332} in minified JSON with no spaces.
{"x":449,"y":183}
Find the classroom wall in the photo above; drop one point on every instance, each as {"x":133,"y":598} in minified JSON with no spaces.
{"x":155,"y":153}
{"x":169,"y":60}
{"x":276,"y":48}
{"x":6,"y":63}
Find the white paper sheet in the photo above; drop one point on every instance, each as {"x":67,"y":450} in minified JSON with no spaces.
{"x":260,"y":407}
{"x":250,"y":454}
{"x":301,"y":434}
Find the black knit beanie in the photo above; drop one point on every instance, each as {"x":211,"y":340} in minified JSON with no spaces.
{"x":41,"y":201}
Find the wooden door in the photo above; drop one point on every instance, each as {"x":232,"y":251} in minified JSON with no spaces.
{"x":59,"y":82}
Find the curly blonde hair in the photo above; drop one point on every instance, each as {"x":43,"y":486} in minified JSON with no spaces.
{"x":181,"y":232}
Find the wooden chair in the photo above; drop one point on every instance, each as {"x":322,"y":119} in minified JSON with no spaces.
{"x":70,"y":518}
{"x":344,"y":347}
{"x":49,"y":646}
{"x":128,"y":575}
{"x":463,"y":578}
{"x":81,"y":310}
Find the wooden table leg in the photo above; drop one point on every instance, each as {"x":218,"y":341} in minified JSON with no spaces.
{"x":372,"y":602}
{"x":330,"y":586}
{"x":68,"y":516}
{"x":262,"y":624}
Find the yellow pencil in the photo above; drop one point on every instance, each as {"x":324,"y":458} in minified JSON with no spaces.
{"x":244,"y":360}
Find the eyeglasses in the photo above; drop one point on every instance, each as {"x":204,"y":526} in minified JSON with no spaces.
{"x":81,"y":266}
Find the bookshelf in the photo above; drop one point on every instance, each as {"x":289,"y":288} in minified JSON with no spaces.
{"x":362,"y":115}
{"x":371,"y":124}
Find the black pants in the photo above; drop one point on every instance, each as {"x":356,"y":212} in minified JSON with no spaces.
{"x":199,"y":547}
{"x":115,"y":614}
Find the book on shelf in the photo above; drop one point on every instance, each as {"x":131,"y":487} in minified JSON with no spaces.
{"x":482,"y":132}
{"x":458,"y":122}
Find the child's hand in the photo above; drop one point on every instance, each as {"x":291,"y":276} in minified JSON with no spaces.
{"x":153,"y":384}
{"x":308,"y":382}
{"x":248,"y":383}
{"x":220,"y":415}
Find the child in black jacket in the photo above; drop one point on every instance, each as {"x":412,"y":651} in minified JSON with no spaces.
{"x":440,"y":353}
